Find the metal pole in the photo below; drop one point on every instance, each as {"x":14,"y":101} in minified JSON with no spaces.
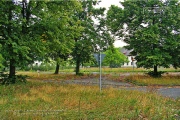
{"x":100,"y":86}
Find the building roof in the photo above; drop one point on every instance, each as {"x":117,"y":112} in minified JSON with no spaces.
{"x":126,"y":52}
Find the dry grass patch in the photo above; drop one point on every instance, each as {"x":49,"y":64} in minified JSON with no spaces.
{"x":3,"y":101}
{"x":35,"y":94}
{"x":50,"y":76}
{"x":27,"y":97}
{"x":37,"y":100}
{"x":114,"y":70}
{"x":165,"y":80}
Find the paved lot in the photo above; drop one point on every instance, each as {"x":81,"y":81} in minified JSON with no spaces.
{"x":170,"y":92}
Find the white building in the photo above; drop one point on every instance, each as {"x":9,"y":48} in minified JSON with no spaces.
{"x":131,"y":61}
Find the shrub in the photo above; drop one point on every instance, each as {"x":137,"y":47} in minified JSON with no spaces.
{"x":5,"y":80}
{"x":42,"y":67}
{"x":158,"y":74}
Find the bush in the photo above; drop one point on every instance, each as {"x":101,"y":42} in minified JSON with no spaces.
{"x":153,"y":74}
{"x":80,"y":74}
{"x":5,"y":80}
{"x":115,"y":65}
{"x":42,"y":67}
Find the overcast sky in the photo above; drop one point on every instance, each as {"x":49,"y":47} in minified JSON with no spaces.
{"x":107,"y":4}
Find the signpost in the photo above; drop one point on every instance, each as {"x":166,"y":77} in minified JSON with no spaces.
{"x":99,"y":58}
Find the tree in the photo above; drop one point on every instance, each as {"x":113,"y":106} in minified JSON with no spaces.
{"x":114,"y":58}
{"x":61,"y":28}
{"x":174,"y":46}
{"x":20,"y":33}
{"x":151,"y":29}
{"x":94,"y":35}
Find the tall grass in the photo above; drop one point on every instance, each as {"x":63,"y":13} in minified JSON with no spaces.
{"x":137,"y":79}
{"x":165,"y":80}
{"x":122,"y":69}
{"x":61,"y":76}
{"x":36,"y":100}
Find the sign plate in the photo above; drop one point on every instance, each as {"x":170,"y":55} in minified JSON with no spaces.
{"x":97,"y":57}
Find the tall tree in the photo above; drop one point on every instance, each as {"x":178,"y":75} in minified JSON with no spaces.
{"x":93,"y":36}
{"x":19,"y":37}
{"x":61,"y":28}
{"x":151,"y":29}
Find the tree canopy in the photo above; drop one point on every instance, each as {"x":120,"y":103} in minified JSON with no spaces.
{"x":151,"y":29}
{"x":35,"y":30}
{"x":19,"y":31}
{"x":114,"y":58}
{"x":93,"y":36}
{"x":61,"y":28}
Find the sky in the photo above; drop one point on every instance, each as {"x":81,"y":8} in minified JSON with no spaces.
{"x":107,"y":4}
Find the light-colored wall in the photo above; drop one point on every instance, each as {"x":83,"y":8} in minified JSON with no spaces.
{"x":130,"y":63}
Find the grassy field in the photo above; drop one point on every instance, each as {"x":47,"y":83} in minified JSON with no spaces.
{"x":37,"y":100}
{"x":134,"y":78}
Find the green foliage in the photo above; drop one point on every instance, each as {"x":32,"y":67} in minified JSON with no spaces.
{"x":20,"y":32}
{"x":153,"y":31}
{"x":42,"y":67}
{"x":114,"y":58}
{"x":93,"y":36}
{"x":61,"y":28}
{"x":35,"y":30}
{"x":158,"y":74}
{"x":1,"y":59}
{"x":5,"y":80}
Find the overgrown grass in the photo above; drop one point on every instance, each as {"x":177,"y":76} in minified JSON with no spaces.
{"x":165,"y":80}
{"x":122,"y":69}
{"x":36,"y":100}
{"x":61,"y":76}
{"x":69,"y":76}
{"x":116,"y":70}
{"x":135,"y":78}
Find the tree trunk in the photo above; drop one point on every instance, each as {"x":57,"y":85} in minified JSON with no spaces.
{"x":12,"y":71}
{"x":57,"y":68}
{"x":155,"y":70}
{"x":77,"y":66}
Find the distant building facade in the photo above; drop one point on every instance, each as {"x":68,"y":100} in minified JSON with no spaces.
{"x":131,"y":61}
